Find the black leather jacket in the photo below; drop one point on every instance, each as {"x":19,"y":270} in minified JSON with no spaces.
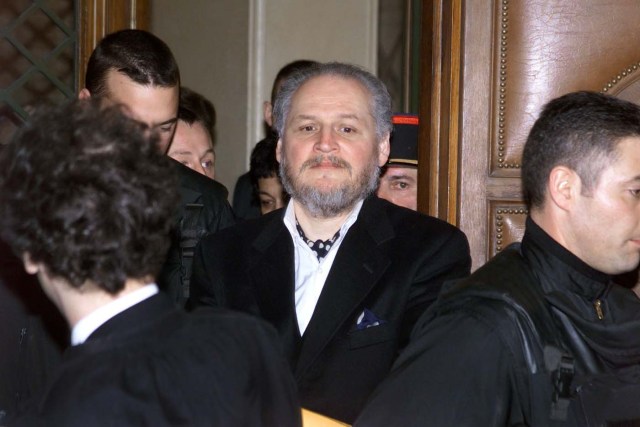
{"x":214,"y":214}
{"x":477,"y":356}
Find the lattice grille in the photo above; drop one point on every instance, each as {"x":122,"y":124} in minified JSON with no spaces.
{"x":38,"y":41}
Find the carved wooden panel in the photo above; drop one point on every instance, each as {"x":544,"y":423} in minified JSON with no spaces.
{"x":544,"y":49}
{"x":490,"y":66}
{"x":506,"y":223}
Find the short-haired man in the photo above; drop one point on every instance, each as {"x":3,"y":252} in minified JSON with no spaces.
{"x":137,"y":70}
{"x":517,"y":342}
{"x":399,"y":180}
{"x":88,"y":201}
{"x":341,"y":274}
{"x":192,"y":143}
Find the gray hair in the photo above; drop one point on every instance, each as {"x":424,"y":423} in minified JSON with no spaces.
{"x":380,"y":98}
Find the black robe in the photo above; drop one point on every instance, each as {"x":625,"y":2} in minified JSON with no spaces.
{"x":155,"y":365}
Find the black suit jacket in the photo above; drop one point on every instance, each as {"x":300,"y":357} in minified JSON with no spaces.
{"x":155,"y":365}
{"x":392,"y":262}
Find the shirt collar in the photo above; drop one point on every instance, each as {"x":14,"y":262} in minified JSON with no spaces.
{"x":88,"y":324}
{"x":290,"y":219}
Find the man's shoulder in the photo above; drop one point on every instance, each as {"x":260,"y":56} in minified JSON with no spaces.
{"x":223,"y":322}
{"x":183,"y":355}
{"x":506,"y":277}
{"x":170,"y":339}
{"x":196,"y":188}
{"x":194,"y":181}
{"x":247,"y":230}
{"x":410,"y":227}
{"x":404,"y":217}
{"x":504,"y":292}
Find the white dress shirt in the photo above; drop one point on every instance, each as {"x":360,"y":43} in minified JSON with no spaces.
{"x":311,"y":273}
{"x":88,"y":324}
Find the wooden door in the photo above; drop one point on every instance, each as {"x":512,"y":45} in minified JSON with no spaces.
{"x":101,"y":17}
{"x":492,"y":65}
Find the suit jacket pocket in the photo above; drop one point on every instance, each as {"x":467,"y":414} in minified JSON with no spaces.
{"x":371,"y":336}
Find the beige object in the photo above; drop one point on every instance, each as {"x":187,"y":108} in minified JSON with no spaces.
{"x":313,"y":419}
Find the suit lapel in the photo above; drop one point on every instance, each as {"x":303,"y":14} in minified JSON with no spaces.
{"x":356,"y":270}
{"x":272,"y":275}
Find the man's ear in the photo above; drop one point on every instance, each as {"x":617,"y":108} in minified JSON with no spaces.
{"x":30,"y":266}
{"x":564,"y":186}
{"x":267,"y":112}
{"x":383,"y":150}
{"x":84,"y":94}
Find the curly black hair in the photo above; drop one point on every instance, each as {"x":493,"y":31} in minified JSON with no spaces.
{"x":85,"y":191}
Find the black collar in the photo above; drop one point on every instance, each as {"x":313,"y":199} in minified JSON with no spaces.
{"x":547,"y":243}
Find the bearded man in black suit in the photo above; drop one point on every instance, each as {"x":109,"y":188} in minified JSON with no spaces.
{"x":87,"y":201}
{"x":341,"y":274}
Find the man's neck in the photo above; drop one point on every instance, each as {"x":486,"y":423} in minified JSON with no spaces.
{"x":316,"y":228}
{"x":76,"y":305}
{"x":551,"y":222}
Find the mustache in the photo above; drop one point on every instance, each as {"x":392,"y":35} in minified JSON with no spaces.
{"x":319,"y":159}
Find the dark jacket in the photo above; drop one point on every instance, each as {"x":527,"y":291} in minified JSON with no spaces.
{"x":392,"y":262}
{"x":477,"y":359}
{"x":33,"y":335}
{"x":197,"y":188}
{"x":155,"y":365}
{"x":212,"y":213}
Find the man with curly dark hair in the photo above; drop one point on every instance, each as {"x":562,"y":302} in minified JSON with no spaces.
{"x":87,"y":201}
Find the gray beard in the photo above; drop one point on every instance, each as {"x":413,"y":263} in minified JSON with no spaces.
{"x":328,"y":204}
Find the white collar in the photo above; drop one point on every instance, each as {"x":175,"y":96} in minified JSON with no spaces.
{"x":88,"y":324}
{"x":290,"y":218}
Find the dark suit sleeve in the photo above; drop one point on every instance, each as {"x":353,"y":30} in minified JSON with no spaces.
{"x":457,"y":372}
{"x":449,"y":260}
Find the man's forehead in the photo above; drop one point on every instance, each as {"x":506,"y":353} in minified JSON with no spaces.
{"x":194,"y":135}
{"x":330,"y":88}
{"x":152,"y":105}
{"x":626,"y":158}
{"x":401,"y":171}
{"x":321,"y":108}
